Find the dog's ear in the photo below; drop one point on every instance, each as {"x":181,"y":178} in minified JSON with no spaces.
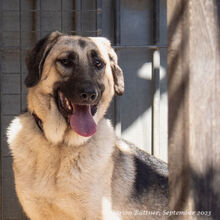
{"x":117,"y":73}
{"x":116,"y":70}
{"x":37,"y":56}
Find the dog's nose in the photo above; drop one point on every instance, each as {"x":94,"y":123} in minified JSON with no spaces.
{"x":88,"y":95}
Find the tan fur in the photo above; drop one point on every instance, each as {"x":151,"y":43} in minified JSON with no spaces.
{"x":69,"y":177}
{"x":60,"y":175}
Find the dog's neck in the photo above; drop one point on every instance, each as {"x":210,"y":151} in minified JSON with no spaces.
{"x":71,"y":138}
{"x":38,"y":122}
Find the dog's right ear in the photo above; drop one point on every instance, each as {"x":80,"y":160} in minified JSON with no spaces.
{"x":37,"y":56}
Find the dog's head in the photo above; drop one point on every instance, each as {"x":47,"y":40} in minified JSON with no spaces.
{"x":71,"y":81}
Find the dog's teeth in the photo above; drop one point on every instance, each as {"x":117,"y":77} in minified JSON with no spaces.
{"x":69,"y":107}
{"x":68,"y":104}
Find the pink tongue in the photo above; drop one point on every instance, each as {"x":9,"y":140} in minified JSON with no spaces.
{"x":82,"y":121}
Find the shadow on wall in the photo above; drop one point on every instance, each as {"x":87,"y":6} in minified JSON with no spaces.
{"x":206,"y":192}
{"x":137,"y":100}
{"x":185,"y":182}
{"x":179,"y":175}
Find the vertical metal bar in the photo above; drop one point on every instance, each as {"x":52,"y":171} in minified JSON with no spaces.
{"x":117,"y":23}
{"x":117,"y":31}
{"x":81,"y":15}
{"x":156,"y":82}
{"x":20,"y":53}
{"x":78,"y":16}
{"x":20,"y":69}
{"x":156,"y":103}
{"x":99,"y":17}
{"x":34,"y":21}
{"x":40,"y":14}
{"x":61,"y":15}
{"x":156,"y":21}
{"x":1,"y":169}
{"x":75,"y":19}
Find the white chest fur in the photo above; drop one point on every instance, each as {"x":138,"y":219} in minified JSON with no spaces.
{"x":59,"y":177}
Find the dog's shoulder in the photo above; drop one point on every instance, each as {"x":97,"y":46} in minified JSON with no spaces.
{"x":148,"y":176}
{"x":141,"y":157}
{"x":151,"y":173}
{"x":22,"y":130}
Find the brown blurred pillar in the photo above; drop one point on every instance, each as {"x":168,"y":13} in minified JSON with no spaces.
{"x":194,"y":106}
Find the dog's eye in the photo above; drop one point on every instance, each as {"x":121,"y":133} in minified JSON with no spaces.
{"x":66,"y":62}
{"x":98,"y":63}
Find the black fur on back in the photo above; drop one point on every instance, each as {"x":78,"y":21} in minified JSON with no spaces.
{"x":151,"y":174}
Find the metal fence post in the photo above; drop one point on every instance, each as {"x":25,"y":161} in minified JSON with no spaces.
{"x":156,"y":81}
{"x":117,"y":42}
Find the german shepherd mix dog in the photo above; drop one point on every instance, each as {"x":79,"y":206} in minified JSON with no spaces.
{"x":68,"y":163}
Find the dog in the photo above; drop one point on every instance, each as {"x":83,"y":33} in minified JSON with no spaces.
{"x":68,"y":163}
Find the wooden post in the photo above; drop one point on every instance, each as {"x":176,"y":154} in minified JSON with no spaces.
{"x":194,"y":107}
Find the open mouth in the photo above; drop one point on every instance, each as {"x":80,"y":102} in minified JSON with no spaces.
{"x":79,"y":116}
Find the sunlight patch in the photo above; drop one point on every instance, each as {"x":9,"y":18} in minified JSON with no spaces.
{"x":13,"y":130}
{"x":107,"y":212}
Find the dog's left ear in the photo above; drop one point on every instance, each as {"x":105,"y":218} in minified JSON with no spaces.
{"x":117,"y":73}
{"x":37,"y":56}
{"x":116,"y":70}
